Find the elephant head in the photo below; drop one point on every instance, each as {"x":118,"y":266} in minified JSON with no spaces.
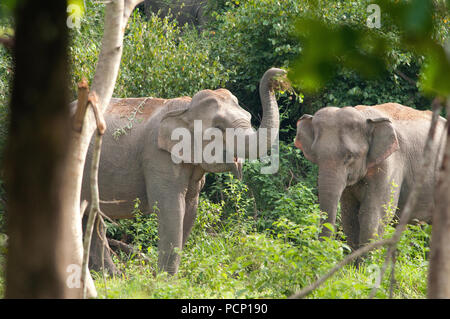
{"x":346,"y":144}
{"x":217,"y":129}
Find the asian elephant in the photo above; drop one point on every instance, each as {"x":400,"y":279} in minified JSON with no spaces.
{"x":184,"y":11}
{"x":145,"y":162}
{"x":360,"y":152}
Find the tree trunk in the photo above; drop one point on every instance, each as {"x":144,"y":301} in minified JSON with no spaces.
{"x":44,"y":159}
{"x":439,"y":272}
{"x":36,"y":153}
{"x":117,"y":13}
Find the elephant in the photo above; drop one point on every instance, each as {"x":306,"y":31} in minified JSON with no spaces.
{"x":360,"y":152}
{"x":184,"y":11}
{"x":145,"y":162}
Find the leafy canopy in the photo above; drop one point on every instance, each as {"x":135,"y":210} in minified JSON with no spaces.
{"x":422,"y":28}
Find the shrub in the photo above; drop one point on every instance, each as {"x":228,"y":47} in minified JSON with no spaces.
{"x":159,"y":58}
{"x":141,"y":231}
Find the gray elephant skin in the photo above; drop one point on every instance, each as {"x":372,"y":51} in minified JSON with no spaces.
{"x":139,"y":164}
{"x":184,"y":11}
{"x":360,"y":152}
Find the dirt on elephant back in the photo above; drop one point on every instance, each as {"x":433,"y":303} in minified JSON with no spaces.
{"x":140,"y":108}
{"x":399,"y":112}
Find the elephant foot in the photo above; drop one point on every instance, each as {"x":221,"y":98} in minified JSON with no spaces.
{"x":169,"y":265}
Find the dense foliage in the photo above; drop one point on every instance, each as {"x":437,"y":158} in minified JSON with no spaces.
{"x":257,"y":237}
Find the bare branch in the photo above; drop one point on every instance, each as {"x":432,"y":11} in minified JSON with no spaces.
{"x":83,"y":93}
{"x":349,"y":258}
{"x":439,"y":270}
{"x":127,"y":249}
{"x":95,"y":208}
{"x":116,"y":201}
{"x":405,"y":77}
{"x":99,"y":120}
{"x":129,"y":7}
{"x":103,"y":86}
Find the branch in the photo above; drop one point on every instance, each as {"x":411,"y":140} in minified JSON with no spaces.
{"x":103,"y":87}
{"x":83,"y":93}
{"x":95,"y":205}
{"x":439,"y":270}
{"x":404,"y":219}
{"x":109,"y":59}
{"x":357,"y":253}
{"x":127,"y":248}
{"x":129,"y":7}
{"x":405,"y":77}
{"x":99,"y":120}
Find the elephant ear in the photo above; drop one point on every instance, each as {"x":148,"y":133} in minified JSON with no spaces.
{"x":383,"y":142}
{"x":172,"y":126}
{"x":305,"y":135}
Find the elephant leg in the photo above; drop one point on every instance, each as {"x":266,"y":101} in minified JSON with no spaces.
{"x":170,"y":232}
{"x":349,"y":218}
{"x":195,"y":186}
{"x":189,"y":217}
{"x":372,"y":212}
{"x":169,"y":198}
{"x":97,"y":245}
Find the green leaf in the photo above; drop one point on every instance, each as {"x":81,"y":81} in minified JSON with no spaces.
{"x":328,"y":226}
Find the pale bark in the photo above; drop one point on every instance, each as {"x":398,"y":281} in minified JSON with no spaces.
{"x":95,"y":208}
{"x":116,"y":16}
{"x":439,"y":271}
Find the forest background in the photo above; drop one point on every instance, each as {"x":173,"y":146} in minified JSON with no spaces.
{"x":258,"y":237}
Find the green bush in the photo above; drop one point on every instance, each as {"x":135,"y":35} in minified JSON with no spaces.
{"x":159,"y":58}
{"x":295,"y":179}
{"x":141,"y":231}
{"x":225,"y":259}
{"x":258,"y":237}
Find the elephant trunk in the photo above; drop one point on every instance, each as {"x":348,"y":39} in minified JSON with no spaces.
{"x":260,"y":141}
{"x":331,"y":184}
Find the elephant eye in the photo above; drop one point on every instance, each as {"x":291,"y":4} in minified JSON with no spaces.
{"x":348,"y":157}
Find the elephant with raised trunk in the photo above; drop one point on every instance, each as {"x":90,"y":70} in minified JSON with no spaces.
{"x":361,"y":151}
{"x":144,"y":163}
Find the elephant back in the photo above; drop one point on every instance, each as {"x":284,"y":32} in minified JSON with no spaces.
{"x":141,"y":108}
{"x":398,"y":112}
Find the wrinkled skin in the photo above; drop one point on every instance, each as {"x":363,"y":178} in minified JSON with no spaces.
{"x":139,"y":164}
{"x":360,"y":151}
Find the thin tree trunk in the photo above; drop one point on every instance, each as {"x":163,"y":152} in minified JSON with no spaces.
{"x":36,"y":153}
{"x":116,"y":17}
{"x":439,"y":272}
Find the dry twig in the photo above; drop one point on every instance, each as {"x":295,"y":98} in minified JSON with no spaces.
{"x":95,"y":205}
